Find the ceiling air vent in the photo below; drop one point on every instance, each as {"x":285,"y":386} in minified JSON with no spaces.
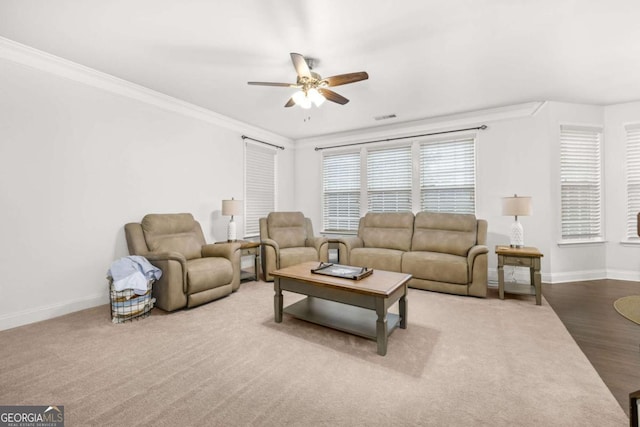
{"x":386,"y":117}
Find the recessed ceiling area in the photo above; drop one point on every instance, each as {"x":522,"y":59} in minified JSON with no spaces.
{"x":424,"y":59}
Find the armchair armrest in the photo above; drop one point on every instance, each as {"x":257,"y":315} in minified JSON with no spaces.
{"x":162,"y":260}
{"x":474,"y":252}
{"x":351,"y":242}
{"x":345,"y":245}
{"x":316,"y":242}
{"x":272,"y":243}
{"x":224,"y":250}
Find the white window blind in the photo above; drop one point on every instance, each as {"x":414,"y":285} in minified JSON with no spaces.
{"x":633,"y":179}
{"x":389,"y":179}
{"x":260,"y":186}
{"x":580,"y":178}
{"x":448,"y":176}
{"x":341,"y":191}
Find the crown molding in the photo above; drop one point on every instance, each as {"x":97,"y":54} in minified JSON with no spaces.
{"x":37,"y":59}
{"x":463,"y":119}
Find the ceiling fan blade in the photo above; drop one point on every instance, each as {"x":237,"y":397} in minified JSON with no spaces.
{"x":300,"y":65}
{"x":273,"y":84}
{"x":343,"y":79}
{"x":332,"y":96}
{"x":290,"y":103}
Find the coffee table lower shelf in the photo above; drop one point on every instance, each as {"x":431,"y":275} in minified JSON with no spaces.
{"x":342,"y":317}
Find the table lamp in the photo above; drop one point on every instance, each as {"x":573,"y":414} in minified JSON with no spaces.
{"x":230,"y":208}
{"x":516,"y":206}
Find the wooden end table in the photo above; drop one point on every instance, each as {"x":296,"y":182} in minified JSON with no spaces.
{"x":520,"y":257}
{"x":248,"y":248}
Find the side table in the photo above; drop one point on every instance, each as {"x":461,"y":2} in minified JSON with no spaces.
{"x":248,"y":248}
{"x":520,"y":257}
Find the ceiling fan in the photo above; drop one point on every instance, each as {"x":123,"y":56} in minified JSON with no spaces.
{"x":313,"y":88}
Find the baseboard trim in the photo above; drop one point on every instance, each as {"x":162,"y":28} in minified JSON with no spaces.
{"x":25,"y":317}
{"x":522,"y":275}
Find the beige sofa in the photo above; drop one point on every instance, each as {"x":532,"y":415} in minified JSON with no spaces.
{"x":443,"y":252}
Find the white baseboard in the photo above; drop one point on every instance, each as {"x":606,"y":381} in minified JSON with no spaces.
{"x":633,"y":276}
{"x":38,"y":314}
{"x":522,"y":275}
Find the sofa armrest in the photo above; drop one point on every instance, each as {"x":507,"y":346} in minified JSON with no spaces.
{"x":223,"y":250}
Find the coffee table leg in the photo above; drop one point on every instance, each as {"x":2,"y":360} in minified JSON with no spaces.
{"x":402,"y":306}
{"x":277,"y":300}
{"x":381,"y":327}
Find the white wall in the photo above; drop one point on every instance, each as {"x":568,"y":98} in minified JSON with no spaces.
{"x":517,"y":153}
{"x":78,"y":162}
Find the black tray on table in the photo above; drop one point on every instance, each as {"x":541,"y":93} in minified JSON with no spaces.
{"x":342,"y":271}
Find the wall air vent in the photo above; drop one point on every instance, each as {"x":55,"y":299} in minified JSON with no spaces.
{"x":386,"y":117}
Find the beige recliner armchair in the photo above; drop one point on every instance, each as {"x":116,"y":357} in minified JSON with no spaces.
{"x":193,"y":272}
{"x":287,"y":239}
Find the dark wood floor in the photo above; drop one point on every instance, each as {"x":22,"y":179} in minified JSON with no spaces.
{"x":610,"y":341}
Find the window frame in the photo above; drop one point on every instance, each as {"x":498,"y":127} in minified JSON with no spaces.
{"x":581,"y":238}
{"x":414,"y":145}
{"x":252,"y":231}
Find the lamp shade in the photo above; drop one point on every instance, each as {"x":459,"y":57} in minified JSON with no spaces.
{"x":516,"y":206}
{"x":231,"y":207}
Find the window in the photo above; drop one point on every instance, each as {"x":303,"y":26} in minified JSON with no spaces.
{"x":580,"y":180}
{"x":260,"y":186}
{"x":437,"y":175}
{"x":389,"y":179}
{"x":633,"y":179}
{"x":341,"y":191}
{"x":448,"y":176}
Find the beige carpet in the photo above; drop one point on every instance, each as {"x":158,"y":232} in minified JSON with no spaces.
{"x":462,"y":361}
{"x":629,"y":307}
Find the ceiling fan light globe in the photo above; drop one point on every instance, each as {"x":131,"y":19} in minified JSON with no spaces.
{"x":301,"y":99}
{"x":315,"y":97}
{"x":298,"y":97}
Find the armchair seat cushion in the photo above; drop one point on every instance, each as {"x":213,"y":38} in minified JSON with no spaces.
{"x":435,"y":266}
{"x":293,"y":256}
{"x":377,"y":258}
{"x":208,"y":273}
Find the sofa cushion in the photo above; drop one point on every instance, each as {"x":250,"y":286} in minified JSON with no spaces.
{"x":173,"y":233}
{"x":444,"y":232}
{"x":436,"y":266}
{"x":377,"y":258}
{"x":208,"y":273}
{"x":293,"y":256}
{"x":389,"y":230}
{"x":287,"y":229}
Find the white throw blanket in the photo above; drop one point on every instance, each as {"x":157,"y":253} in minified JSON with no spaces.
{"x":133,"y":272}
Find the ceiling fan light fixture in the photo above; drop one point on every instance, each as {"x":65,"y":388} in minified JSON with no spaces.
{"x":301,"y":99}
{"x":316,"y":97}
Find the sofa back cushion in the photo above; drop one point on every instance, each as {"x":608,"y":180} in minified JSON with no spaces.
{"x":390,"y":230}
{"x":173,"y":233}
{"x":444,"y":232}
{"x":288,"y":229}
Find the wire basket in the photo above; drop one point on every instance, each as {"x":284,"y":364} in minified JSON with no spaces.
{"x":127,"y":305}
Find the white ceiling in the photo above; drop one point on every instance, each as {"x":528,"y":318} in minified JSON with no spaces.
{"x":424,"y":58}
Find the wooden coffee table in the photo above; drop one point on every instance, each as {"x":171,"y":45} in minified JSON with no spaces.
{"x":358,"y":307}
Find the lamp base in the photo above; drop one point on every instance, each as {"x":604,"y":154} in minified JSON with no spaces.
{"x":231,"y":231}
{"x":517,"y":235}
